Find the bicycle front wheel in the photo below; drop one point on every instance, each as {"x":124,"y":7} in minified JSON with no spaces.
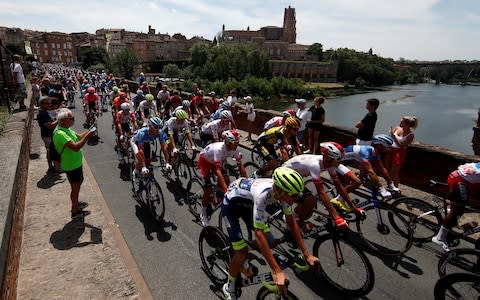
{"x":424,"y":219}
{"x":194,"y":197}
{"x":156,"y":202}
{"x":379,"y":233}
{"x":265,"y":293}
{"x":457,"y":286}
{"x":459,"y":260}
{"x":345,"y":267}
{"x":215,"y":254}
{"x":182,"y":171}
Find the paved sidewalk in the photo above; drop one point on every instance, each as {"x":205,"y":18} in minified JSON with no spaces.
{"x":63,"y":258}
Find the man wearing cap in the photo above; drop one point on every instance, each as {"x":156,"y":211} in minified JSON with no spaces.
{"x":19,"y":81}
{"x":304,"y":115}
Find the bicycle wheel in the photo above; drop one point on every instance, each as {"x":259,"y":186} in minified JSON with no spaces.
{"x":459,"y":260}
{"x":156,"y":202}
{"x":215,"y":254}
{"x":457,"y":286}
{"x":265,"y":293}
{"x":182,"y":171}
{"x":190,"y":154}
{"x":194,"y":197}
{"x":343,"y":265}
{"x":423,"y":218}
{"x":250,"y":168}
{"x":231,"y":171}
{"x":255,"y":156}
{"x":380,"y":235}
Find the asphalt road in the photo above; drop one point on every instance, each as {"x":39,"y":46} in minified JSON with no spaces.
{"x":167,"y":254}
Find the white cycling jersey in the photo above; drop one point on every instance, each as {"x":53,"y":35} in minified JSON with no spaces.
{"x":470,"y":172}
{"x":258,"y":192}
{"x":172,"y":126}
{"x":215,"y":128}
{"x":217,"y":153}
{"x":309,"y":165}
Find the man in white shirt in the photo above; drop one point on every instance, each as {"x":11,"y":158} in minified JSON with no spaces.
{"x":19,"y":81}
{"x":304,"y":114}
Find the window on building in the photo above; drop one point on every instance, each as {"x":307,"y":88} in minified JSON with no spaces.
{"x":46,"y":51}
{"x":58,"y":46}
{"x":64,"y":46}
{"x":54,"y":52}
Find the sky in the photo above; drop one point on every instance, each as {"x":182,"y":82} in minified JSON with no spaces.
{"x":411,"y":29}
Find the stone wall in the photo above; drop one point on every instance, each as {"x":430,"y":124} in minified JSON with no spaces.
{"x":423,"y":162}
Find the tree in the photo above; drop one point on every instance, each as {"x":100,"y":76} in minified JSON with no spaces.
{"x":199,"y":53}
{"x":126,"y":61}
{"x":93,"y":56}
{"x":171,"y":70}
{"x":316,"y":49}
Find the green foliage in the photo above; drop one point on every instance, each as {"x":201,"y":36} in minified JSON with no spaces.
{"x":171,"y":70}
{"x":16,"y":48}
{"x":126,"y":61}
{"x":316,"y":49}
{"x":97,"y":67}
{"x":94,"y":56}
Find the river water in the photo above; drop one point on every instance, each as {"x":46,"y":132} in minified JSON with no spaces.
{"x":446,"y":113}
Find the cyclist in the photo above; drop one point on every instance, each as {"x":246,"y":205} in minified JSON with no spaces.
{"x":141,"y":146}
{"x":162,"y":96}
{"x":199,"y":107}
{"x":124,"y":122}
{"x":122,"y":98}
{"x":309,"y":165}
{"x":369,"y":157}
{"x":147,"y":108}
{"x":463,"y":188}
{"x":211,"y":131}
{"x":186,"y":107}
{"x":218,"y":113}
{"x":210,"y":162}
{"x":91,"y":105}
{"x":279,"y":120}
{"x":247,"y":194}
{"x":280,"y":138}
{"x":174,"y":127}
{"x":138,"y":98}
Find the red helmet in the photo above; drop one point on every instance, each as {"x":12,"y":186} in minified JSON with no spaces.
{"x":91,"y":90}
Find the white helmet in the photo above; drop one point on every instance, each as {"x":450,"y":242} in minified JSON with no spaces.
{"x":226,"y":114}
{"x":125,"y":106}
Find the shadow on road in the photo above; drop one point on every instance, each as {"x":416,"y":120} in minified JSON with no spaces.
{"x":151,"y":226}
{"x":49,"y":179}
{"x":68,"y":237}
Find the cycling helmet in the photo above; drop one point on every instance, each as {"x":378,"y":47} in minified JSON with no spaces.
{"x":122,"y":95}
{"x":181,"y":114}
{"x":149,"y":97}
{"x":185,"y":103}
{"x":382,"y":139}
{"x":289,"y":113}
{"x":91,"y":90}
{"x":115,"y":89}
{"x":155,"y":122}
{"x":226,"y":105}
{"x":125,"y":106}
{"x":140,"y":93}
{"x":332,"y":150}
{"x":288,"y":180}
{"x":226,"y":114}
{"x":230,"y":136}
{"x":292,"y":122}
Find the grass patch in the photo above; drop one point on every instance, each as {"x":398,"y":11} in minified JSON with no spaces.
{"x":325,"y":85}
{"x":4,"y":115}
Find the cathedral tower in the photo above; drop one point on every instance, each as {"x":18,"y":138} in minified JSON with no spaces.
{"x":289,"y":25}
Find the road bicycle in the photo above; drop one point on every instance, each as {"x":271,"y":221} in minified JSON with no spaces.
{"x":71,"y":99}
{"x":458,"y":286}
{"x":384,"y":230}
{"x":122,"y":148}
{"x":341,"y":262}
{"x":460,"y":260}
{"x":425,"y":217}
{"x":216,"y":252}
{"x":147,"y":191}
{"x":195,"y":192}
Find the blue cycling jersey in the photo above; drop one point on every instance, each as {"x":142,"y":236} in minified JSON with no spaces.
{"x":361,"y":153}
{"x":142,"y":135}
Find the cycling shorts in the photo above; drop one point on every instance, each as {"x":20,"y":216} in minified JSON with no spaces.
{"x":237,"y":208}
{"x":92,"y":106}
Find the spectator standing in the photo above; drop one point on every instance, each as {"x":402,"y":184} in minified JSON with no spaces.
{"x":366,"y":126}
{"x":47,"y":123}
{"x":315,"y":125}
{"x":250,"y":110}
{"x":402,"y":137}
{"x":69,"y":145}
{"x":305,"y":115}
{"x":35,"y":91}
{"x":232,"y":101}
{"x":19,"y":81}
